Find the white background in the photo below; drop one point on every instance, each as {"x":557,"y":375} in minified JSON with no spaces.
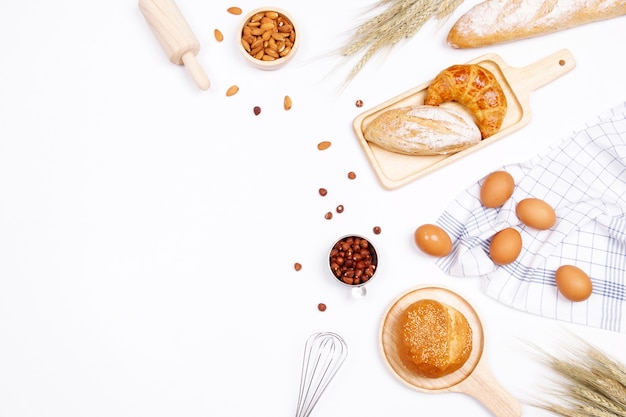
{"x":148,"y":229}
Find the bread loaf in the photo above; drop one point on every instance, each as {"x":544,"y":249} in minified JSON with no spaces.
{"x":498,"y":21}
{"x":423,"y":130}
{"x":433,"y":339}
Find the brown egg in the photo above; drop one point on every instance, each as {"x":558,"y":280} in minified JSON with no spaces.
{"x":573,"y":283}
{"x":496,"y":189}
{"x":505,"y":246}
{"x":433,"y":240}
{"x":536,"y":213}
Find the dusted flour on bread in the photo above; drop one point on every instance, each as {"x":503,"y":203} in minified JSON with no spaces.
{"x":498,"y":21}
{"x":423,"y":130}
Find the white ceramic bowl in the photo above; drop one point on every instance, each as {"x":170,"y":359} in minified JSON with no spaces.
{"x":260,"y":55}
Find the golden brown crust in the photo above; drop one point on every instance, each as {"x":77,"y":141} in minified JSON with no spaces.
{"x":474,"y":87}
{"x":433,"y":339}
{"x":497,"y":21}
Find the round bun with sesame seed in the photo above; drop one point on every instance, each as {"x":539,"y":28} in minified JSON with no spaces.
{"x":433,"y":339}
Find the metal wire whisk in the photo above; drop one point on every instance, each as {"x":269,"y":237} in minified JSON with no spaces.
{"x":324,"y":354}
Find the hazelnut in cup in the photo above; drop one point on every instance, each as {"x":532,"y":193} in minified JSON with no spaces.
{"x":353,"y":261}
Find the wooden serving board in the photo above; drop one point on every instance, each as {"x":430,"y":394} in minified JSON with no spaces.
{"x":474,"y":378}
{"x":394,"y":169}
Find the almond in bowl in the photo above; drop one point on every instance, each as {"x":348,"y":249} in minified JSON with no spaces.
{"x":268,"y":38}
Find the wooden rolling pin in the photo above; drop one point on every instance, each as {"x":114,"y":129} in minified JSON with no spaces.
{"x":175,"y":36}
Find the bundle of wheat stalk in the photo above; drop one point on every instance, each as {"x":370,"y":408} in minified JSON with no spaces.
{"x":590,"y":384}
{"x":400,"y":19}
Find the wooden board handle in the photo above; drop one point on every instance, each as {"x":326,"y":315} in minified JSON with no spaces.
{"x":527,"y":79}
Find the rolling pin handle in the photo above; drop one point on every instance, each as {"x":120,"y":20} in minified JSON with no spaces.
{"x":196,"y":71}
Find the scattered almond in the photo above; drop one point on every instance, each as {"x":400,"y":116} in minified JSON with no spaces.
{"x":232,"y":90}
{"x":323,"y":145}
{"x":287,"y":103}
{"x":234,"y":10}
{"x":218,"y":35}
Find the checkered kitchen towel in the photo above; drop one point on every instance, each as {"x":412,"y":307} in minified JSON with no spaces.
{"x":584,"y":179}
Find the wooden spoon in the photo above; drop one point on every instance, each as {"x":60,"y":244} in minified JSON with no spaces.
{"x":474,"y":378}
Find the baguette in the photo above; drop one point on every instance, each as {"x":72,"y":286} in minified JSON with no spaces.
{"x":498,"y":21}
{"x":423,"y":130}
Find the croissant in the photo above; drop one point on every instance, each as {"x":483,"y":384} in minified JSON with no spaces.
{"x":474,"y":87}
